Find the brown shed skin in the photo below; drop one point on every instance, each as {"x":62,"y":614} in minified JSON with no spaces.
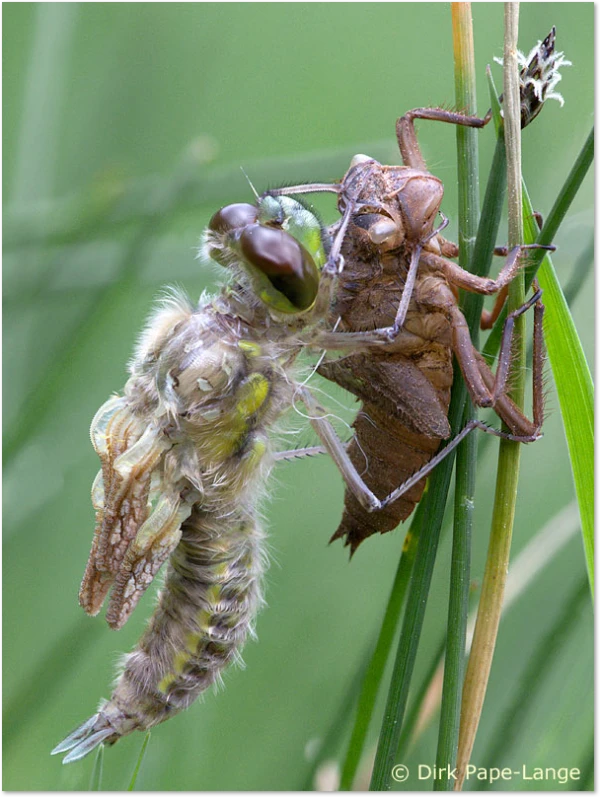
{"x":405,"y":394}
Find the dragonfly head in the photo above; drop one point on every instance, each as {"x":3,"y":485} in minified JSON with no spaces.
{"x":277,"y":244}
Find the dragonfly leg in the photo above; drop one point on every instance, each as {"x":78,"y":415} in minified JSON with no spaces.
{"x":489,"y":390}
{"x":483,"y":285}
{"x":407,"y":137}
{"x":497,"y":384}
{"x":298,"y":453}
{"x":489,"y":317}
{"x":337,"y":450}
{"x":395,"y":339}
{"x":448,"y":448}
{"x":335,"y":262}
{"x":306,"y":188}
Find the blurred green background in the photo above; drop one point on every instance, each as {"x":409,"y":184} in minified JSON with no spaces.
{"x":124,"y":129}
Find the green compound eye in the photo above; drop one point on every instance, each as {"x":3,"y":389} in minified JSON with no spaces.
{"x":292,"y":278}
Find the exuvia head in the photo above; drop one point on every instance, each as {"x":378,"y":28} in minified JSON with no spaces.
{"x":408,"y":214}
{"x":278,"y":244}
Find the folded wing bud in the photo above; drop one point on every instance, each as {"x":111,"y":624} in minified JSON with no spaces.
{"x":129,"y":449}
{"x":152,"y":546}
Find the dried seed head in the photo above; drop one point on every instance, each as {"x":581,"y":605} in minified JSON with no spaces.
{"x":539,"y":77}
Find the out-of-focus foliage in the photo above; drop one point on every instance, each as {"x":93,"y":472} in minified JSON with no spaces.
{"x":106,"y":101}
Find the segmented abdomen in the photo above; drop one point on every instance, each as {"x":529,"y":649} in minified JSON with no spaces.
{"x":405,"y":396}
{"x":386,"y":453}
{"x":204,"y":615}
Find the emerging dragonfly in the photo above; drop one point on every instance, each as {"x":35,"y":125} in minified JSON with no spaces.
{"x":186,"y":450}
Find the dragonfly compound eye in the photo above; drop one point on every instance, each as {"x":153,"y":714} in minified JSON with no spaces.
{"x":233,"y":217}
{"x":287,"y":276}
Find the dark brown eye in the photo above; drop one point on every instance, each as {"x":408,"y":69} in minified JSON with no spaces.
{"x":284,"y":261}
{"x":233,"y":217}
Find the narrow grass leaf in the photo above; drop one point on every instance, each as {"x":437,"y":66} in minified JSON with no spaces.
{"x":412,"y":625}
{"x":492,"y":592}
{"x":571,"y":372}
{"x":138,"y":765}
{"x":575,"y":391}
{"x":376,"y":667}
{"x":466,"y":455}
{"x":96,"y":779}
{"x":514,"y":712}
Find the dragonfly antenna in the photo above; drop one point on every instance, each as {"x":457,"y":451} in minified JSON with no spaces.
{"x":254,"y":191}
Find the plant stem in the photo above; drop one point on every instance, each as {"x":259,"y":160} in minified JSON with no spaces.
{"x":468,"y":201}
{"x":492,"y":592}
{"x":376,"y":667}
{"x":433,"y":511}
{"x":139,"y":761}
{"x":543,"y":657}
{"x":548,"y":233}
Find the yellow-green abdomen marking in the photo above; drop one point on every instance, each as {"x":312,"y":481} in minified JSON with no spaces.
{"x":205,"y":613}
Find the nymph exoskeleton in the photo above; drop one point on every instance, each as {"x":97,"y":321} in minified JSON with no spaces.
{"x":398,"y":284}
{"x":397,"y":277}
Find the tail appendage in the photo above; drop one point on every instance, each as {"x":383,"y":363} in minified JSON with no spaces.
{"x":204,"y":615}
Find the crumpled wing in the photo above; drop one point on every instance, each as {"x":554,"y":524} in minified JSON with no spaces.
{"x":129,"y":449}
{"x":152,"y":546}
{"x":394,"y":386}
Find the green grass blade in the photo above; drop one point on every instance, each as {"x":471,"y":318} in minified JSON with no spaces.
{"x":414,"y":710}
{"x":581,"y":269}
{"x":551,"y":226}
{"x":531,"y":561}
{"x":466,"y":455}
{"x":571,"y":372}
{"x":433,"y":502}
{"x":586,"y":781}
{"x":531,"y":682}
{"x":138,"y":765}
{"x":376,"y":668}
{"x":96,"y":779}
{"x":433,"y":511}
{"x":496,"y":568}
{"x":575,"y":391}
